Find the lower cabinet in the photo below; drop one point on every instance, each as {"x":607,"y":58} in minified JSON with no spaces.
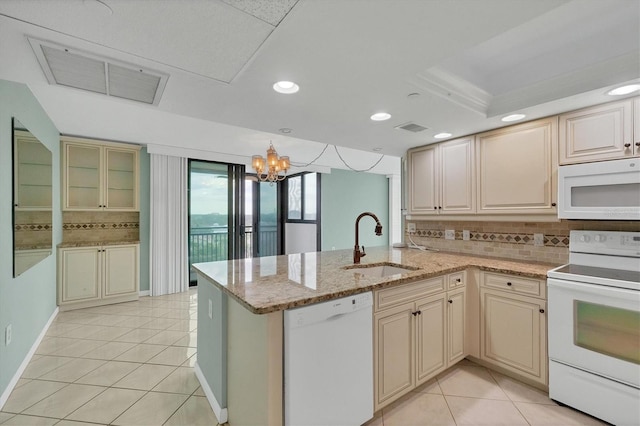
{"x":513,"y":328}
{"x":418,"y":336}
{"x":97,"y":275}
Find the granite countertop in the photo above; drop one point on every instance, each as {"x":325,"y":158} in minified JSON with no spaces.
{"x":66,"y":244}
{"x":276,"y":283}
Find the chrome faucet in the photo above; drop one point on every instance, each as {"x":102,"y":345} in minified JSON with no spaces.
{"x":357,"y":254}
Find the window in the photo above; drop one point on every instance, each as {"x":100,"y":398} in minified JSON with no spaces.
{"x":302,"y":199}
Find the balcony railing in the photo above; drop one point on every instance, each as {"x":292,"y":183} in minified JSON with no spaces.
{"x":209,"y":244}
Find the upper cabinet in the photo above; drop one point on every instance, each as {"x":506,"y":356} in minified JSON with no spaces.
{"x":442,"y":178}
{"x":636,"y":126}
{"x":99,"y":176}
{"x":32,"y":173}
{"x":518,"y":169}
{"x":603,"y":132}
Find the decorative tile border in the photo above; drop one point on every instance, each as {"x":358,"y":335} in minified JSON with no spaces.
{"x":499,"y":237}
{"x":98,"y":226}
{"x":33,"y":227}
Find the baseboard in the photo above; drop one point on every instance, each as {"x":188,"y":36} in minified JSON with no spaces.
{"x":144,"y":293}
{"x":221,"y":413}
{"x":26,"y":360}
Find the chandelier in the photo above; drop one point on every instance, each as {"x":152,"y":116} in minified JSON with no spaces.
{"x":269,"y":170}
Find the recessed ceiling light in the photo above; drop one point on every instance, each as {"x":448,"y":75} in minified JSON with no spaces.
{"x":381,"y":116}
{"x":286,"y":87}
{"x":285,"y":130}
{"x":624,"y":90}
{"x":513,"y":117}
{"x":442,"y":135}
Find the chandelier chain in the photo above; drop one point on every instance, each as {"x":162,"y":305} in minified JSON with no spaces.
{"x":355,"y":170}
{"x":341,"y":159}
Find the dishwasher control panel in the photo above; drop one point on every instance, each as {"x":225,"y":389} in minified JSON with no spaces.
{"x":327,"y":311}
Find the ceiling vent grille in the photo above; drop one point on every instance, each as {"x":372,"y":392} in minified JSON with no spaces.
{"x":411,"y":127}
{"x":69,"y":67}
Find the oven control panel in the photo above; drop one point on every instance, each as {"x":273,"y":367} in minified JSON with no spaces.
{"x":606,"y":242}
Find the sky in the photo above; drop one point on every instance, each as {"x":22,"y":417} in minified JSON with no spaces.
{"x":209,"y":195}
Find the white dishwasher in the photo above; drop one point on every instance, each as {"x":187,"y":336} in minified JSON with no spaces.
{"x":328,"y":363}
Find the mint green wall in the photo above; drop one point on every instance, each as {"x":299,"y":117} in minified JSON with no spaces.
{"x":145,"y":194}
{"x":26,"y":302}
{"x":345,"y":195}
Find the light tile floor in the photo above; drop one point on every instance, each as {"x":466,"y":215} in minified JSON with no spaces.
{"x":469,"y":394}
{"x":124,"y":364}
{"x":132,"y":364}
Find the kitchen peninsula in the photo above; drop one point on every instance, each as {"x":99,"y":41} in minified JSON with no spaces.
{"x":241,"y":304}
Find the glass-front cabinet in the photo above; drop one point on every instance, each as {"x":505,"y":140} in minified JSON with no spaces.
{"x":99,"y":176}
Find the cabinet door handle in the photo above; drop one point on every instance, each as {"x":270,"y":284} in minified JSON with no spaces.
{"x":627,"y":145}
{"x":509,"y":283}
{"x":450,"y":301}
{"x":542,"y":311}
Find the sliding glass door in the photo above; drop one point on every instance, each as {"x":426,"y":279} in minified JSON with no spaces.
{"x":262,"y":230}
{"x":231,"y":215}
{"x":216,"y":214}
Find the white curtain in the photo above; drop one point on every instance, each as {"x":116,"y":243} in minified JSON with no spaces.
{"x":169,"y":269}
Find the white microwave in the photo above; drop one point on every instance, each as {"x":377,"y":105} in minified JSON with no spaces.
{"x":606,"y":190}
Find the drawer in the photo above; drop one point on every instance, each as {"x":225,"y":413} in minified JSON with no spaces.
{"x":394,"y":296}
{"x":516,"y":284}
{"x":456,"y":280}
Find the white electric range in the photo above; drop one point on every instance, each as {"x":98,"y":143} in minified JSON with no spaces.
{"x":594,"y":326}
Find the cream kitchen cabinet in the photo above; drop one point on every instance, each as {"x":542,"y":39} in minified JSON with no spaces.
{"x":517,"y":168}
{"x":603,"y":132}
{"x":513,"y":334}
{"x":99,"y":176}
{"x":636,"y":126}
{"x":418,"y":332}
{"x":97,"y":275}
{"x":442,"y":178}
{"x":32,"y":176}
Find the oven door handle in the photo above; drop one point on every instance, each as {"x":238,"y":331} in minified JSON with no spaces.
{"x":561,"y":292}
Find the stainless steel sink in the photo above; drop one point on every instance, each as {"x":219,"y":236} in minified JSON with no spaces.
{"x":381,"y":270}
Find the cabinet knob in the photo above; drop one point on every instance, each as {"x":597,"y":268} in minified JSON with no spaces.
{"x":414,"y":313}
{"x":419,"y":312}
{"x":458,"y":280}
{"x":450,"y":301}
{"x":637,"y":143}
{"x":439,"y":207}
{"x":627,"y":145}
{"x":553,"y":204}
{"x":509,"y":283}
{"x":435,"y":208}
{"x":542,"y":311}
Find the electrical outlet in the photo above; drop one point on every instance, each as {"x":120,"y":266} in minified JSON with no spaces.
{"x":449,"y":234}
{"x":466,"y":235}
{"x":411,"y":227}
{"x":210,"y":309}
{"x":538,"y":240}
{"x":7,"y":335}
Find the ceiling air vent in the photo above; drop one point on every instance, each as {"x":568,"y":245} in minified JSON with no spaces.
{"x":70,"y":67}
{"x":411,"y":127}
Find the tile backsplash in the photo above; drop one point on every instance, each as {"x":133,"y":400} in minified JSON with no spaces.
{"x":32,"y":229}
{"x":100,"y":226}
{"x":512,"y":240}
